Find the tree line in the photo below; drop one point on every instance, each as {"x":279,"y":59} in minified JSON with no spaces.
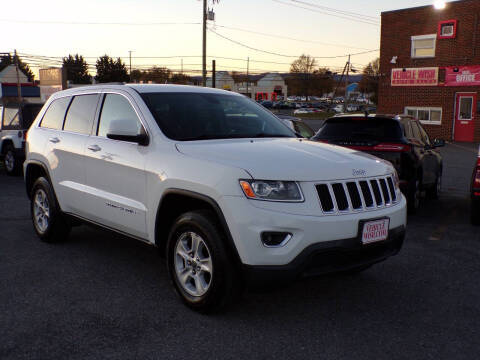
{"x":305,"y":78}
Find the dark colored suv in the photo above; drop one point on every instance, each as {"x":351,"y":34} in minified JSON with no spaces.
{"x":399,"y":139}
{"x":475,"y":193}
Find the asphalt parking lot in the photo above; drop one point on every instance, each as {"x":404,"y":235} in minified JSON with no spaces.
{"x":101,"y":295}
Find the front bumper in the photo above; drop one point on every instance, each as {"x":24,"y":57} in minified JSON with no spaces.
{"x":246,"y":222}
{"x":327,"y":257}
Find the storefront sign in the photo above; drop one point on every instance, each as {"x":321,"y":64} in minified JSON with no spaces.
{"x":415,"y":77}
{"x":462,"y":76}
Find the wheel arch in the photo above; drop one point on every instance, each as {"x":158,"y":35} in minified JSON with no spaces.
{"x":174,"y":202}
{"x":4,"y":143}
{"x":33,"y":170}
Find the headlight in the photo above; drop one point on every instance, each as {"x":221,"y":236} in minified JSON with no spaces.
{"x":272,"y":190}
{"x":396,"y":181}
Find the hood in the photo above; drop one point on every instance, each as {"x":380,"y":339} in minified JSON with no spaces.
{"x":287,"y":159}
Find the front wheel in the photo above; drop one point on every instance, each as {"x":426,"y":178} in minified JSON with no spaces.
{"x":48,"y":221}
{"x":200,"y":269}
{"x":434,"y":191}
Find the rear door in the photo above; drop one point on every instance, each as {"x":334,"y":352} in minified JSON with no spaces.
{"x":423,"y":153}
{"x":115,"y":170}
{"x":68,"y":123}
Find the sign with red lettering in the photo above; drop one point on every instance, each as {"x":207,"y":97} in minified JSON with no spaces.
{"x":415,"y":77}
{"x":462,"y":76}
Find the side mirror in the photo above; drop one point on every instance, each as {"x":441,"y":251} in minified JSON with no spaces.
{"x":438,"y":143}
{"x":127,"y":130}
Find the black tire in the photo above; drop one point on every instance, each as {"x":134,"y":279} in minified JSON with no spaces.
{"x":54,"y":227}
{"x":11,"y":162}
{"x":222,"y":284}
{"x":434,"y":191}
{"x":413,"y":196}
{"x":475,"y":212}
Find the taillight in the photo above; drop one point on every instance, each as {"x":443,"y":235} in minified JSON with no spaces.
{"x":389,"y":147}
{"x":476,"y":180}
{"x":324,"y":141}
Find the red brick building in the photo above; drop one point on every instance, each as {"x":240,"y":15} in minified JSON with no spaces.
{"x":430,"y":66}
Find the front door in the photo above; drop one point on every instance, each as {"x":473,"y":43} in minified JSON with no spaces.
{"x":466,"y":107}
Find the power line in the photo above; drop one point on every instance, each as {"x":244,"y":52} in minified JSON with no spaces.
{"x":97,"y":23}
{"x":290,"y":38}
{"x":348,"y":13}
{"x":326,"y":13}
{"x":289,"y":56}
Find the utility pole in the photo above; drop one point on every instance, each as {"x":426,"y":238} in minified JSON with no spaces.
{"x":19,"y":87}
{"x":130,"y":56}
{"x":204,"y":56}
{"x":214,"y":74}
{"x":248,"y":69}
{"x":345,"y":103}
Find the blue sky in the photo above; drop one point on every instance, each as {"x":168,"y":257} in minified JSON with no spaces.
{"x":46,"y":29}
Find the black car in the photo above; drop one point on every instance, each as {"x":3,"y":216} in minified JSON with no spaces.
{"x":399,"y":139}
{"x":475,"y":193}
{"x":297,"y":125}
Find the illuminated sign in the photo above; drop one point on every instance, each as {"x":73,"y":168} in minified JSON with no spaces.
{"x":415,"y":77}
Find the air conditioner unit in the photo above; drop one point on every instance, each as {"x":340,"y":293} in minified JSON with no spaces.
{"x":447,"y":30}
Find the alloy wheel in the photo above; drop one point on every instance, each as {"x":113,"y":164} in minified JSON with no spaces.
{"x":41,"y":210}
{"x":9,"y":161}
{"x":193,"y":264}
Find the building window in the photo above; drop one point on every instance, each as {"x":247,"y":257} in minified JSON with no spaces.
{"x":423,"y":46}
{"x":426,"y":115}
{"x":447,"y":29}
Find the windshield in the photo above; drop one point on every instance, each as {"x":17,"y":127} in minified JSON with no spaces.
{"x":197,"y":116}
{"x":360,"y":129}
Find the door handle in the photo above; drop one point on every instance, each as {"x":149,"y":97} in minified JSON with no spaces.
{"x":54,"y":140}
{"x":94,"y":148}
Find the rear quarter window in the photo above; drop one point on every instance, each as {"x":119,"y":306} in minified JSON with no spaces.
{"x":352,"y":128}
{"x":55,"y":114}
{"x":81,"y":114}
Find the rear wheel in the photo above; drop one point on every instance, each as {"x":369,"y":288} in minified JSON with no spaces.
{"x":48,"y":221}
{"x":201,"y":272}
{"x":10,"y":161}
{"x":413,"y":198}
{"x":475,"y":212}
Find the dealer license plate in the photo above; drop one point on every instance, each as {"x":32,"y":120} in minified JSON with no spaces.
{"x":374,"y":231}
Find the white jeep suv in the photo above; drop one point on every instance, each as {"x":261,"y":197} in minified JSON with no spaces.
{"x":227,"y":191}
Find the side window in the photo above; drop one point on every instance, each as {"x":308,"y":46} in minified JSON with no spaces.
{"x":53,"y":118}
{"x":425,"y":137}
{"x":304,"y":130}
{"x":81,"y":114}
{"x":117,"y":108}
{"x":11,"y":118}
{"x":416,"y":131}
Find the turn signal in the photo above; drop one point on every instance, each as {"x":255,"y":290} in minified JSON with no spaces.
{"x":247,"y":189}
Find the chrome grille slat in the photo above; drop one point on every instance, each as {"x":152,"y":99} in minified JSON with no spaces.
{"x":349,"y":196}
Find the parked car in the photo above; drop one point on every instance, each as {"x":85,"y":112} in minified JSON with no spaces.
{"x":475,"y":193}
{"x":399,"y":139}
{"x":267,"y":103}
{"x":297,"y":125}
{"x":226,"y":191}
{"x":15,"y":119}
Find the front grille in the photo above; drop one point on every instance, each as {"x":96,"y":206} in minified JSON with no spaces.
{"x":356,"y":195}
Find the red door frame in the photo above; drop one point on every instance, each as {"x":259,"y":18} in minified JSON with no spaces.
{"x":463,"y":130}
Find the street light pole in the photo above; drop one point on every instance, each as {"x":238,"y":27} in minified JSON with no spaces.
{"x":204,"y":56}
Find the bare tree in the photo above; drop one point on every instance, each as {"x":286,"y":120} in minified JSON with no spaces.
{"x":370,"y":79}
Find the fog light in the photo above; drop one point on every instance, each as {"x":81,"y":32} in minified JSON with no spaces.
{"x":275,"y":239}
